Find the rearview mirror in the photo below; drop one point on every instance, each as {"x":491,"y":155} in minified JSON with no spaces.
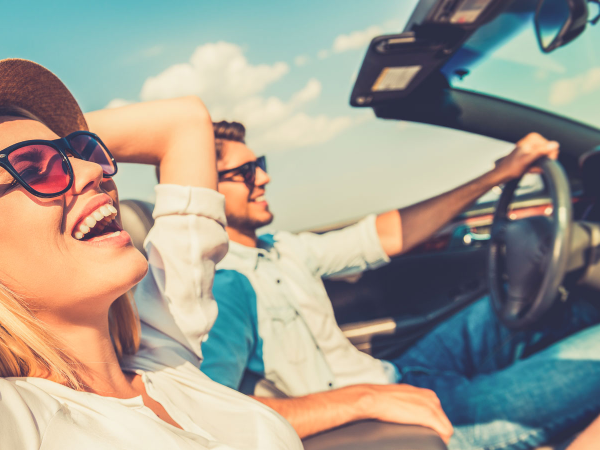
{"x":557,"y":22}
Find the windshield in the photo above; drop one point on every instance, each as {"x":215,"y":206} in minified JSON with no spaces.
{"x":565,"y":82}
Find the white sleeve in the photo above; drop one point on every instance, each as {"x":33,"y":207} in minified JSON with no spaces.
{"x":25,"y":413}
{"x":352,"y":249}
{"x":175,"y":300}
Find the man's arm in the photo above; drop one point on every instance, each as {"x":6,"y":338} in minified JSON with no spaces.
{"x":589,"y":438}
{"x":396,"y":403}
{"x":401,"y":230}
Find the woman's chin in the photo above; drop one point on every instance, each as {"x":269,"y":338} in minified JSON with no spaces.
{"x":138,"y":270}
{"x":129,"y":271}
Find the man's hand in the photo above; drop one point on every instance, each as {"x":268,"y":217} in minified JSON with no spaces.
{"x":405,"y":404}
{"x":528,"y":150}
{"x":396,"y":403}
{"x":400,"y":231}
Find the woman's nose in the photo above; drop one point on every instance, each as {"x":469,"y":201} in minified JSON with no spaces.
{"x":87,"y":175}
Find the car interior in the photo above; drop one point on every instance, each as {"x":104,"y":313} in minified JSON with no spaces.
{"x":407,"y":77}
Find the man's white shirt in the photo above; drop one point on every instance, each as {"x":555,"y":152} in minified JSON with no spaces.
{"x":291,"y":334}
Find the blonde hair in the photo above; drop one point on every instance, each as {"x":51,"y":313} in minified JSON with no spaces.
{"x":29,"y":349}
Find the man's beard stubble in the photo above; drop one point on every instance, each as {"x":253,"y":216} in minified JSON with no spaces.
{"x":247,"y":223}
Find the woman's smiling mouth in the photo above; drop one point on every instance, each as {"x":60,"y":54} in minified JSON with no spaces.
{"x":98,"y":224}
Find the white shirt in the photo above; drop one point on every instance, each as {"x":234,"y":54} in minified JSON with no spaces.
{"x":302,"y":347}
{"x":177,"y":309}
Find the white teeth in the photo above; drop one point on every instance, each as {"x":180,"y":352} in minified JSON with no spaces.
{"x":260,"y":199}
{"x":99,"y":219}
{"x":115,"y":234}
{"x":90,"y":221}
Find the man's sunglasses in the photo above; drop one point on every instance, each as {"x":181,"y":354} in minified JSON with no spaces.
{"x":43,"y":167}
{"x":247,"y":171}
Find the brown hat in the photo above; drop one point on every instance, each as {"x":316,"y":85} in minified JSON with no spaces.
{"x":33,"y":91}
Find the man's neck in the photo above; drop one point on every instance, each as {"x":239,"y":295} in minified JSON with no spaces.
{"x":244,"y":237}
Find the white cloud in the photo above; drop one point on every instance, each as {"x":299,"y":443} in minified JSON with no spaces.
{"x":323,"y":54}
{"x":566,"y":90}
{"x":356,"y":39}
{"x":216,"y":68}
{"x":301,"y":130}
{"x":311,"y":91}
{"x":232,"y":88}
{"x":392,"y":26}
{"x":117,"y":103}
{"x":258,"y":111}
{"x":301,"y":60}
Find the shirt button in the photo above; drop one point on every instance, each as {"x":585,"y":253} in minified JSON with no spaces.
{"x":330,"y":385}
{"x":278,"y":281}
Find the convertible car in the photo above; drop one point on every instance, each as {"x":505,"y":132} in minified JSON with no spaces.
{"x":443,"y":70}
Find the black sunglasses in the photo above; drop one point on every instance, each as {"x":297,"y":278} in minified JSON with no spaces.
{"x":43,"y":167}
{"x":247,"y":171}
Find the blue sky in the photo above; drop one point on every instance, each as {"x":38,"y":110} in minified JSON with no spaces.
{"x":286,"y":69}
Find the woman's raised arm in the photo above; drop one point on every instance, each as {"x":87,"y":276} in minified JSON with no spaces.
{"x":175,"y":135}
{"x":175,"y":301}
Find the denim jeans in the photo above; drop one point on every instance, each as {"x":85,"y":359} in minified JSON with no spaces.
{"x":503,"y":389}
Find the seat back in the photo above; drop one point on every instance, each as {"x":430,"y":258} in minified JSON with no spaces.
{"x":137,"y":220}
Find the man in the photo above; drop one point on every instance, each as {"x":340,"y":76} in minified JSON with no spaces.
{"x":276,"y":321}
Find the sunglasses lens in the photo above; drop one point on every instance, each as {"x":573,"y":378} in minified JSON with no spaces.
{"x":41,"y":167}
{"x":250,"y":175}
{"x":91,"y":150}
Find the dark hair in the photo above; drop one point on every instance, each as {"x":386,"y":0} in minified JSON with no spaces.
{"x":228,"y":131}
{"x":224,"y":131}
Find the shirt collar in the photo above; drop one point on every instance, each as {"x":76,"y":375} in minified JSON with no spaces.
{"x":250,"y":256}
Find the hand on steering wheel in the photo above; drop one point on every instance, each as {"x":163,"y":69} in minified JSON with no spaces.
{"x":528,"y":257}
{"x":527,"y":151}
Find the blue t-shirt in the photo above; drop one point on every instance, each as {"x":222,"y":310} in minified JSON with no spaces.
{"x":233,"y":345}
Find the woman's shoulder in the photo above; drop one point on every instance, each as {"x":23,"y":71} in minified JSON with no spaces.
{"x":25,"y":411}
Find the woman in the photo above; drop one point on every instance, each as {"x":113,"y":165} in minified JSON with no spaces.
{"x":75,"y":374}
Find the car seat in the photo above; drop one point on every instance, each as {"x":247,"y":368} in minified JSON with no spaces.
{"x":136,"y":216}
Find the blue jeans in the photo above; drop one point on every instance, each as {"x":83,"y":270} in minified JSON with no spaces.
{"x":510,"y":390}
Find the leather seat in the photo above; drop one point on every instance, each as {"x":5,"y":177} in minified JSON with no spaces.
{"x":136,"y":216}
{"x":374,"y":435}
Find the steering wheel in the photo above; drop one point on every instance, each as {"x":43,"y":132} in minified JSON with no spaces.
{"x":528,"y":257}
